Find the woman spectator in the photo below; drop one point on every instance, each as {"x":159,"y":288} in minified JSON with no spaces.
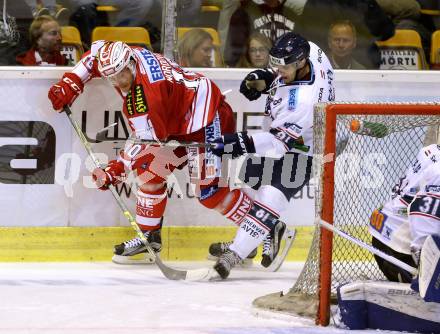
{"x":196,"y":49}
{"x":257,"y":52}
{"x":45,"y":38}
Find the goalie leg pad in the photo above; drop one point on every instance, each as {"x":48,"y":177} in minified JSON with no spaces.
{"x":386,"y":306}
{"x":429,"y":270}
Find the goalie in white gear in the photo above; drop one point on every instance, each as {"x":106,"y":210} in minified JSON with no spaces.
{"x":301,"y":75}
{"x":408,"y":228}
{"x":398,"y":234}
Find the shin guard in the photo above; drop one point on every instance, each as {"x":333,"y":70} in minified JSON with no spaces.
{"x":150,"y":207}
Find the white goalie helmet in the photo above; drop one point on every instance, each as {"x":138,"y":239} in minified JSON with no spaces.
{"x":113,"y":57}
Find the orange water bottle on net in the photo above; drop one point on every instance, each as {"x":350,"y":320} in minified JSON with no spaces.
{"x":366,"y":128}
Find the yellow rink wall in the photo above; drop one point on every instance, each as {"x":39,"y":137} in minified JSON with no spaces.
{"x":69,"y":244}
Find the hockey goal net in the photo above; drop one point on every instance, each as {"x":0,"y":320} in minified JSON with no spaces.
{"x":348,"y":189}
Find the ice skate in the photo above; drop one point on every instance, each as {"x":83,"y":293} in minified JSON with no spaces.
{"x":219,"y":248}
{"x":271,"y":257}
{"x":135,"y":252}
{"x":226,"y":262}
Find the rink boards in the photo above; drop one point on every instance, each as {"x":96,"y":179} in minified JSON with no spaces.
{"x":70,"y":244}
{"x":53,"y":214}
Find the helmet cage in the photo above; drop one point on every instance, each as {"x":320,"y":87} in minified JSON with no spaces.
{"x":113,"y":79}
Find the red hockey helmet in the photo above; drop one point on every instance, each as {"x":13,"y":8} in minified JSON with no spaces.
{"x":113,"y":57}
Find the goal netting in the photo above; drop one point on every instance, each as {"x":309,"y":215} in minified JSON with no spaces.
{"x":348,"y":189}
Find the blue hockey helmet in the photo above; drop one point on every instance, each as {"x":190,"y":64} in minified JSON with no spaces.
{"x":288,"y":49}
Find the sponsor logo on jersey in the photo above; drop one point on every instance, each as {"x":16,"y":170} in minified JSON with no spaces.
{"x":208,"y":192}
{"x":136,"y":103}
{"x":432,"y":188}
{"x":212,"y":162}
{"x":277,"y":102}
{"x":416,"y":167}
{"x":329,"y":76}
{"x":293,"y":98}
{"x":167,"y":70}
{"x":321,"y":92}
{"x":294,"y":127}
{"x":331,"y":94}
{"x":154,"y":71}
{"x":319,"y":55}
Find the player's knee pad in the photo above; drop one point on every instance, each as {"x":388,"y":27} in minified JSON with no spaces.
{"x":150,"y":206}
{"x":232,"y":204}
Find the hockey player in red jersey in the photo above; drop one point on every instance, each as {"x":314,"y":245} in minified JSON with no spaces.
{"x":162,"y":102}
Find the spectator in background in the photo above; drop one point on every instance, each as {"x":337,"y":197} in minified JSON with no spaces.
{"x":406,"y":15}
{"x":45,"y":38}
{"x":341,"y":43}
{"x":370,"y":20}
{"x":196,"y":49}
{"x":272,"y":18}
{"x":257,"y":52}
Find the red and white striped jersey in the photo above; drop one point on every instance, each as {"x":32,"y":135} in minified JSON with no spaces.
{"x":165,"y":100}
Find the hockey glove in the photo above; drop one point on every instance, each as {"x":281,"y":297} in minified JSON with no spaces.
{"x":235,"y":144}
{"x":256,"y":82}
{"x":65,"y":91}
{"x":113,"y":174}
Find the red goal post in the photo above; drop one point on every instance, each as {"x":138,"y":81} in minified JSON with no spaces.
{"x":347,"y":201}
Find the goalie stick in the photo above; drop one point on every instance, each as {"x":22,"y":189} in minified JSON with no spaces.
{"x":202,"y":274}
{"x":370,"y":248}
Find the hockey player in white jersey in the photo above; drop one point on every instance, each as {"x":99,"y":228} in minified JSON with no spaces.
{"x":300,"y":76}
{"x":398,"y":234}
{"x":408,"y":228}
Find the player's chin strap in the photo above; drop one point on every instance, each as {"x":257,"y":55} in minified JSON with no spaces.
{"x":202,"y":274}
{"x":370,"y":248}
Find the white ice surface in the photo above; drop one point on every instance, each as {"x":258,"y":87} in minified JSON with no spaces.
{"x":88,"y":298}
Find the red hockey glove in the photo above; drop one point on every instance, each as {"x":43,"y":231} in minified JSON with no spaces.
{"x":113,"y":174}
{"x":65,"y":91}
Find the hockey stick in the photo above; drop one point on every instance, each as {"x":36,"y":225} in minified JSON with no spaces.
{"x":168,"y":272}
{"x":101,"y":136}
{"x":369,"y":248}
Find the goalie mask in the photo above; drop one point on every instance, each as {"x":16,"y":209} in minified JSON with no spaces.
{"x":113,"y":58}
{"x":289,"y":53}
